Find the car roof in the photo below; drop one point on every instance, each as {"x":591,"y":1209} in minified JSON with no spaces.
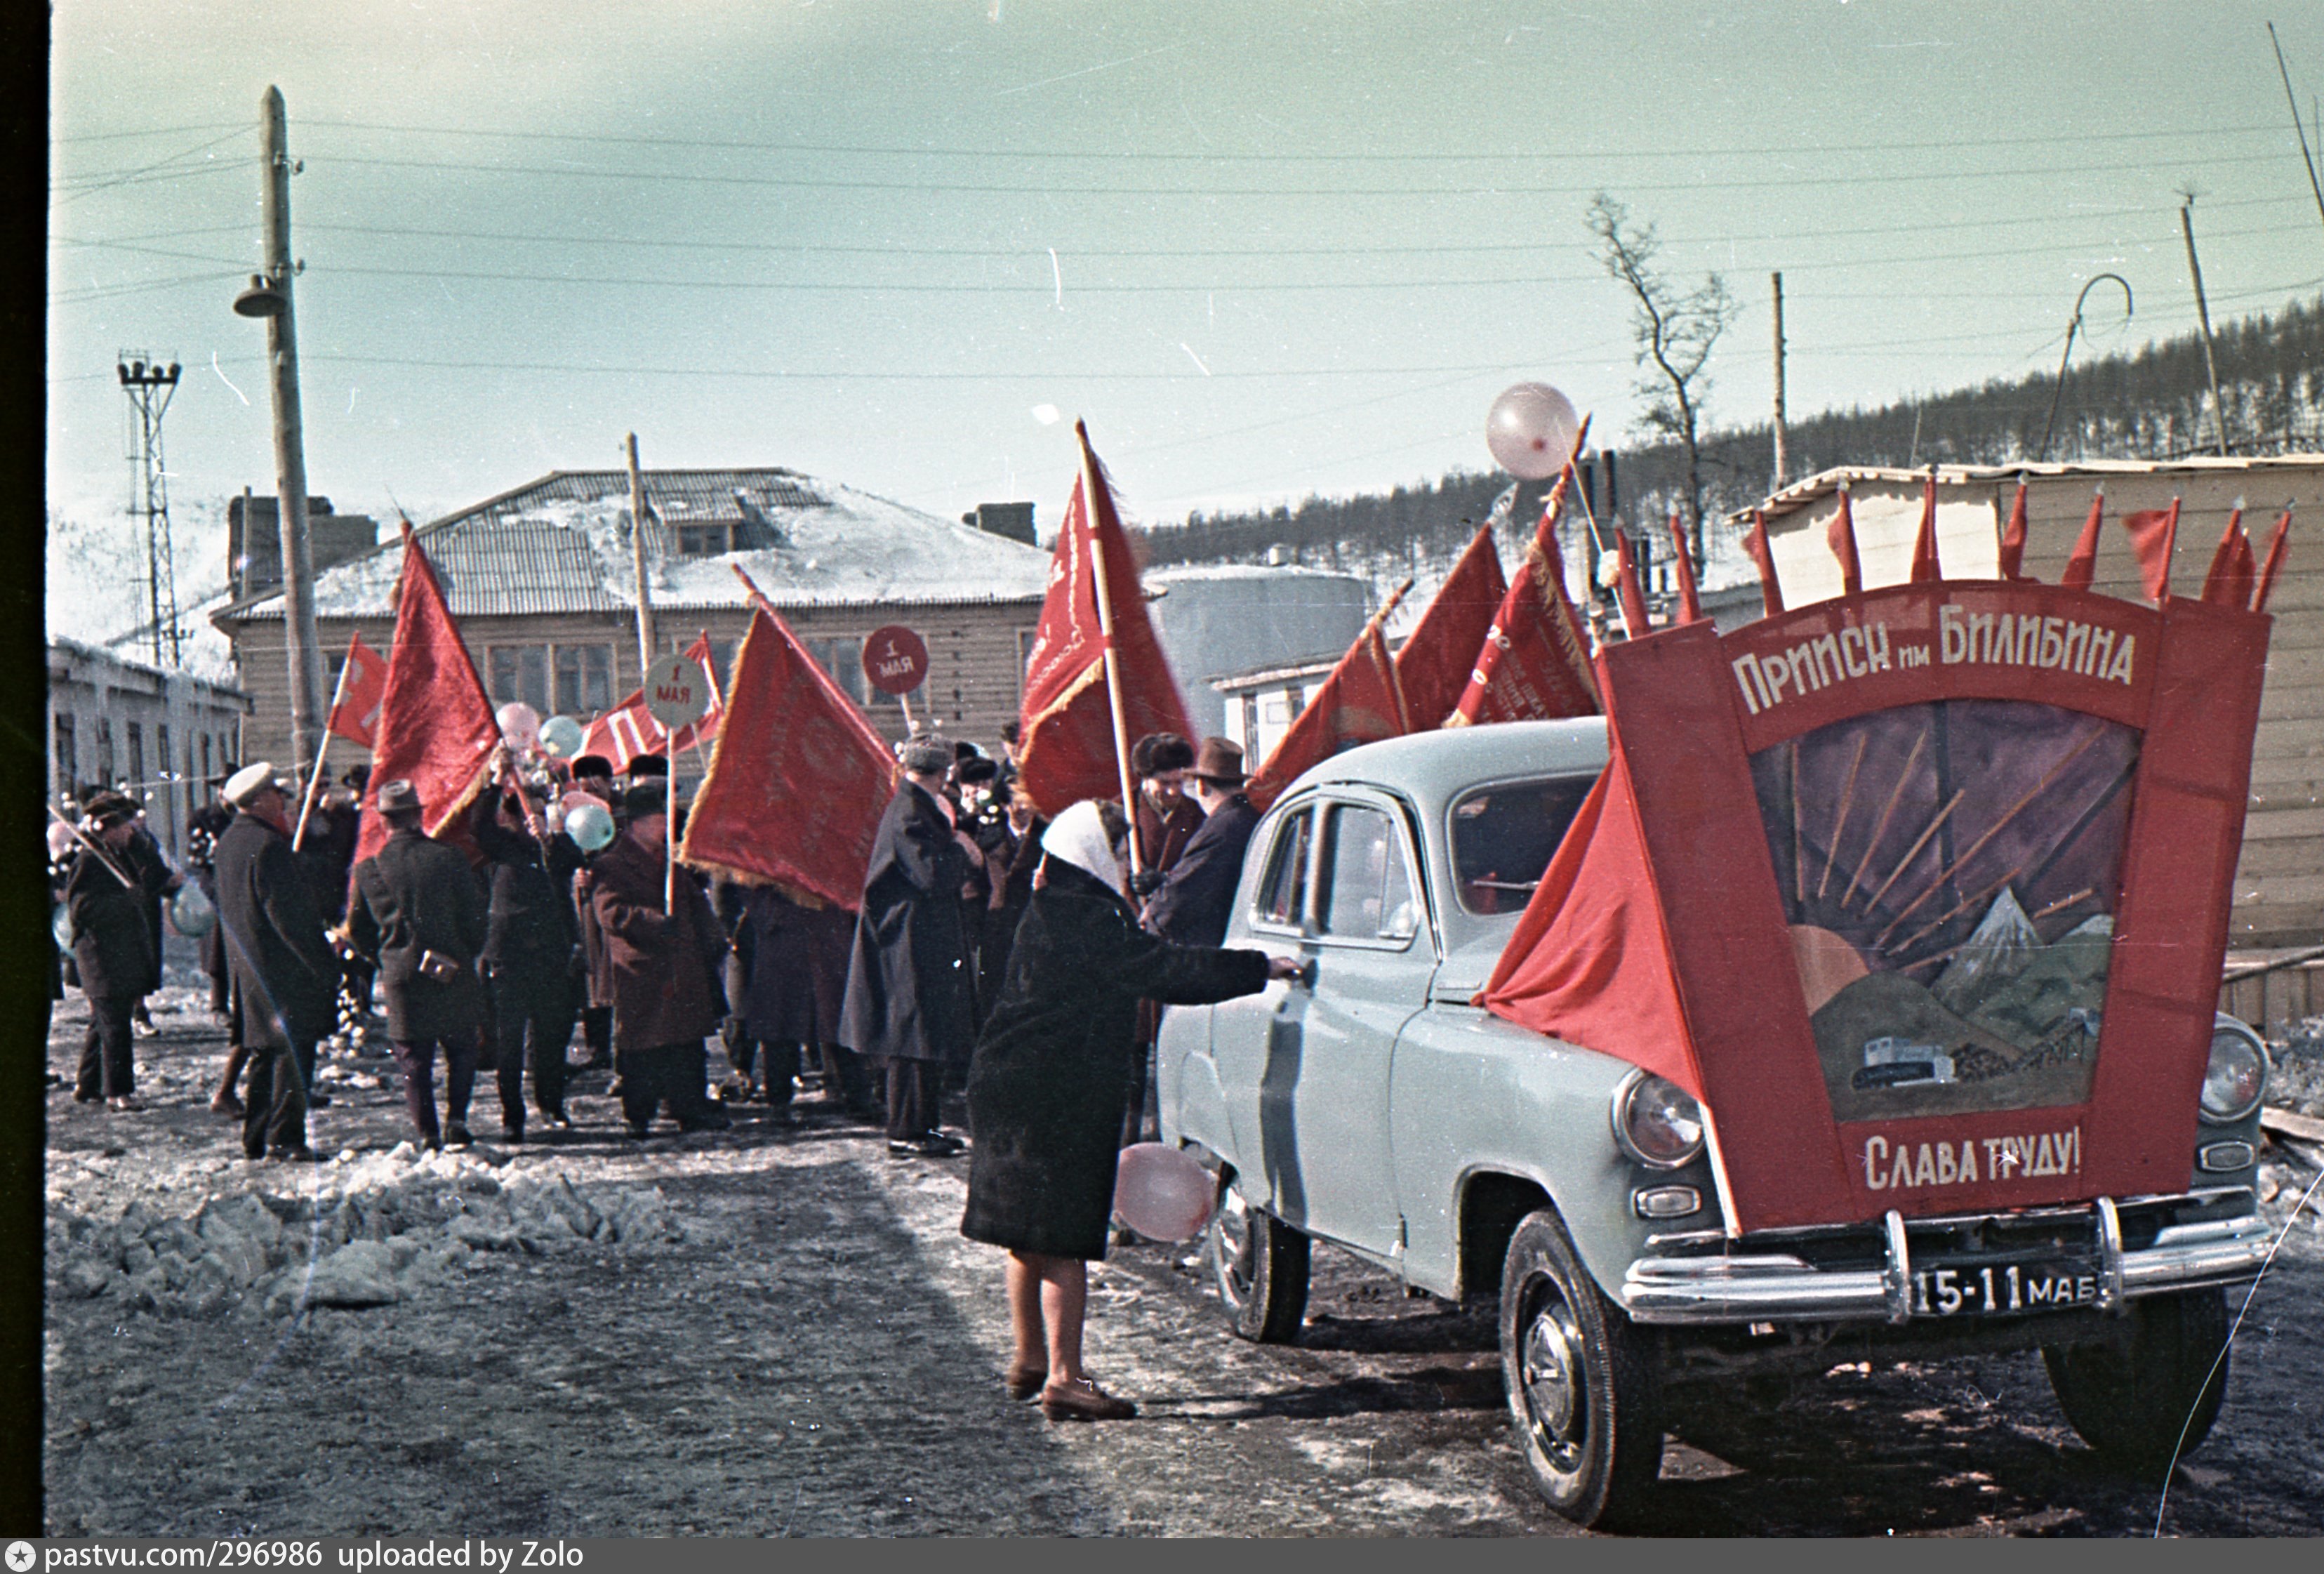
{"x":1433,"y":764}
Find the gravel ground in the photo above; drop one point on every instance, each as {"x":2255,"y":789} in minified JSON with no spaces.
{"x":779,"y":1331}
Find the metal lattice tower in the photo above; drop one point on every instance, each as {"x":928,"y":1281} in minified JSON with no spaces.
{"x":150,"y":383}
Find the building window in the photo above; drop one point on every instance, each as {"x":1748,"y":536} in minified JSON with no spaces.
{"x":585,"y":678}
{"x":67,"y":751}
{"x":1025,"y":637}
{"x":136,"y":759}
{"x":842,"y":658}
{"x":205,"y":763}
{"x":520,"y":672}
{"x":104,"y":771}
{"x":705,"y":541}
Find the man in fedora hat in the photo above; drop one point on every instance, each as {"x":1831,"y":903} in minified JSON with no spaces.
{"x":419,"y":914}
{"x":115,"y":952}
{"x":1198,"y":895}
{"x":286,"y":979}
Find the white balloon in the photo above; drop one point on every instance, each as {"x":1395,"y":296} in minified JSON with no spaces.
{"x":590,"y":827}
{"x":1163,"y":1192}
{"x":520,"y":724}
{"x":191,"y":912}
{"x":60,"y":838}
{"x":1531,"y":429}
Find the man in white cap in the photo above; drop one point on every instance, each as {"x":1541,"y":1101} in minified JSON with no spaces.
{"x":285,"y":973}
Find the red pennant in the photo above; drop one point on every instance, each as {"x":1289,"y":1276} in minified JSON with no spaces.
{"x":1434,"y":664}
{"x":1632,"y":595}
{"x":629,"y":730}
{"x":362,"y":689}
{"x":798,"y":779}
{"x":2233,"y":568}
{"x":2275,"y":549}
{"x":2154,"y":533}
{"x":1771,"y":590}
{"x":1534,"y":665}
{"x":1359,"y":703}
{"x":1068,"y":748}
{"x":1926,"y":570}
{"x":1841,"y":536}
{"x":435,"y":727}
{"x":2083,"y":563}
{"x":2013,"y":537}
{"x":1689,"y":601}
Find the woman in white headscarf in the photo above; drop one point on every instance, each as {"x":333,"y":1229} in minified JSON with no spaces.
{"x":1046,"y":1089}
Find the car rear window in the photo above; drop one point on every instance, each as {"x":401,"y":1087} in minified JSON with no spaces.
{"x":1503,"y":837}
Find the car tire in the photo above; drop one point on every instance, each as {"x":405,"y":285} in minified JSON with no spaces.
{"x":1259,"y":1266}
{"x":1584,"y":1383}
{"x":2145,"y":1404}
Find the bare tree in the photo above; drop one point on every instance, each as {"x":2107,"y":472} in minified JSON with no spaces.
{"x":1676,"y":332}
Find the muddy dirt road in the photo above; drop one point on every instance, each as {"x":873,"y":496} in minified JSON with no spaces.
{"x":779,"y":1331}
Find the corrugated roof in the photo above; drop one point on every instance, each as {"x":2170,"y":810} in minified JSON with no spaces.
{"x":1801,"y":493}
{"x":561,"y":544}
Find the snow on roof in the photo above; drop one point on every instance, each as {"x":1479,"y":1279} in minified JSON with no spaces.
{"x":1801,"y":493}
{"x":1178,"y":572}
{"x":562,"y":544}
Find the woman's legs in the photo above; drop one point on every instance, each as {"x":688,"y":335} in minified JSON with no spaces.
{"x":1025,"y":1313}
{"x":1047,"y":1299}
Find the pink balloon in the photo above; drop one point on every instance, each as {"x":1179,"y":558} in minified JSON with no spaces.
{"x":1531,"y":429}
{"x":60,"y":838}
{"x":1162,"y":1192}
{"x":520,"y":724}
{"x":575,"y":800}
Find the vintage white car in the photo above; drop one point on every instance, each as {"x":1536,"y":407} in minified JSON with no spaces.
{"x":1372,"y":1105}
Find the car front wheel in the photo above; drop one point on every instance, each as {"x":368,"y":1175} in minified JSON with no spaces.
{"x":1259,"y":1264}
{"x":2152,"y":1400}
{"x":1584,"y":1385}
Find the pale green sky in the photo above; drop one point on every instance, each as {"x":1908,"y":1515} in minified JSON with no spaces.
{"x":1296,"y":246}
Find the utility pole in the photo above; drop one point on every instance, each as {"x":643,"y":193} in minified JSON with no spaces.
{"x":268,"y":296}
{"x":149,"y":382}
{"x":1780,"y":466}
{"x":2306,"y":157}
{"x":2203,"y":312}
{"x":638,"y":560}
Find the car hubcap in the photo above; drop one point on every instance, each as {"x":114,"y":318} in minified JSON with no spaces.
{"x":1550,"y":1375}
{"x":1234,"y":1224}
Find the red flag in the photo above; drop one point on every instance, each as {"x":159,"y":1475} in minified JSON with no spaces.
{"x":2153,"y":532}
{"x":1634,"y":596}
{"x":1533,"y":665}
{"x":1926,"y":568}
{"x":2274,"y":560}
{"x":1068,"y":748}
{"x":1434,"y":664}
{"x":2013,"y":537}
{"x":436,"y":728}
{"x":798,"y":779}
{"x":1690,"y":602}
{"x":362,"y":687}
{"x":2233,"y":567}
{"x":1841,"y":536}
{"x":629,"y":729}
{"x":2083,"y":563}
{"x":1771,"y":591}
{"x":1359,"y":703}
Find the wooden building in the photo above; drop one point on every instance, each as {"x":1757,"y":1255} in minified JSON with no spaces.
{"x":2279,"y":881}
{"x":540,"y":579}
{"x":161,"y":735}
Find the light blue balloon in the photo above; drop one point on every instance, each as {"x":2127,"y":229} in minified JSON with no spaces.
{"x":561,"y":735}
{"x":60,"y":926}
{"x":191,"y":912}
{"x":590,"y":827}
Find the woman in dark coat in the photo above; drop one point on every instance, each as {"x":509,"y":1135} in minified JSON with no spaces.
{"x":1052,"y":1072}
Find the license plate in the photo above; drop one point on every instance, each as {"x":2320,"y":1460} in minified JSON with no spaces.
{"x":1983,"y":1288}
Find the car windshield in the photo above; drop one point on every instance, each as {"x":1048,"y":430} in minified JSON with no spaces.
{"x":1503,"y":837}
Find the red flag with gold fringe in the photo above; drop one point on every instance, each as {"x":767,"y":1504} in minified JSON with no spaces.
{"x":1066,"y":751}
{"x":798,"y":778}
{"x":1534,"y":665}
{"x":1434,"y":664}
{"x":436,"y":728}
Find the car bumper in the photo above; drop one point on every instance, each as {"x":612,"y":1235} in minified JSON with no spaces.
{"x":1782,"y":1287}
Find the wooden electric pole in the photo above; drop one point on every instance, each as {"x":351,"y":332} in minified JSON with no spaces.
{"x":2203,"y":313}
{"x":638,"y":559}
{"x":1780,"y":466}
{"x":305,"y":656}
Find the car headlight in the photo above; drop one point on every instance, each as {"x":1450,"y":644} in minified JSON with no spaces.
{"x":2237,"y":1076}
{"x":1657,"y":1121}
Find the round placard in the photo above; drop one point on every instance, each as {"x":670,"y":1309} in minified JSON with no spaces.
{"x":677,"y":691}
{"x":895,"y":659}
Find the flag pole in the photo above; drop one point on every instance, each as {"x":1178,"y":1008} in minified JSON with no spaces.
{"x":1105,"y":631}
{"x":102,"y":856}
{"x":323,"y":754}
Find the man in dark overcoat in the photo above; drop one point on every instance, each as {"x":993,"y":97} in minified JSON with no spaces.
{"x":663,"y":964}
{"x":532,"y":949}
{"x":285,"y":976}
{"x":1198,"y":895}
{"x":593,"y":774}
{"x":790,"y":971}
{"x":418,"y":913}
{"x":202,"y":833}
{"x":115,"y":951}
{"x":910,"y":998}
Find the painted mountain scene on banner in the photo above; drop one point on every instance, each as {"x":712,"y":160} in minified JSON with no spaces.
{"x":1949,"y":872}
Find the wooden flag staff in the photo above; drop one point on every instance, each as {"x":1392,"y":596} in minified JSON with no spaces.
{"x":1090,"y":484}
{"x":322,"y":751}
